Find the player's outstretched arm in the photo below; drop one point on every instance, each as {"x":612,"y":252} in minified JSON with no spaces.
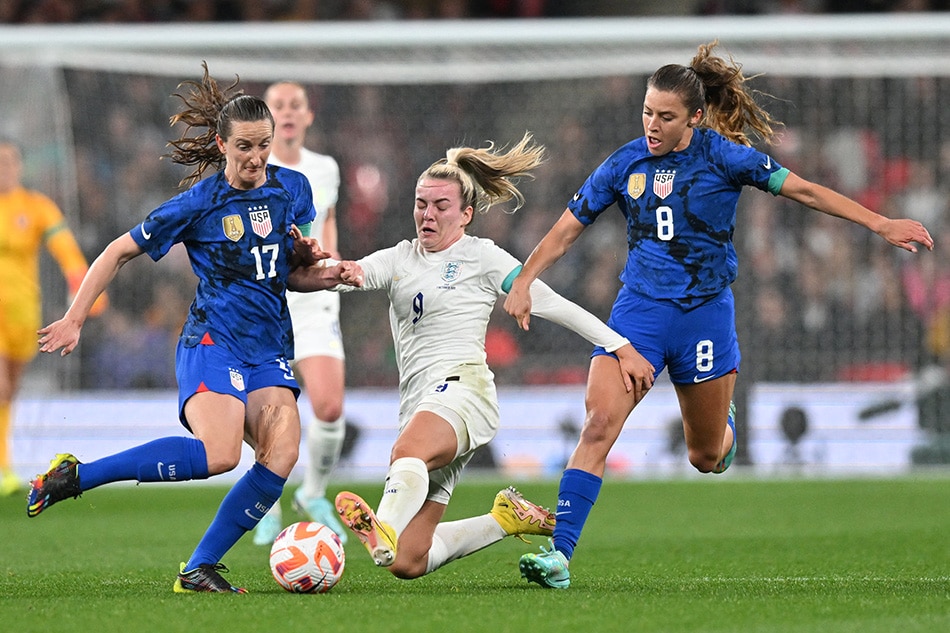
{"x":325,"y":275}
{"x":550,"y":249}
{"x":64,"y":333}
{"x":901,"y":232}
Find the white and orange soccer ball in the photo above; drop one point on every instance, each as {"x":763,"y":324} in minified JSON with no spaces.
{"x":307,"y":557}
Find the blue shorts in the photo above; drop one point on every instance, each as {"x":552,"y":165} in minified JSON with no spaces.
{"x":695,"y":345}
{"x":214,"y":368}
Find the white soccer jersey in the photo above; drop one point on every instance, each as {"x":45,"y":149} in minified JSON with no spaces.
{"x":440,"y":305}
{"x":324,"y":175}
{"x":315,"y":315}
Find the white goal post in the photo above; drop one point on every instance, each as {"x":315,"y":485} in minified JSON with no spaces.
{"x":494,"y":50}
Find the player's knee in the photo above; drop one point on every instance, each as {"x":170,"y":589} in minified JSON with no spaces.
{"x":329,"y":411}
{"x":598,"y":427}
{"x":703,"y":460}
{"x":222,"y":459}
{"x":407,"y":572}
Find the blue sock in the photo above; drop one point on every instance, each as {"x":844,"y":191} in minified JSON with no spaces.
{"x":166,"y":459}
{"x":243,"y":507}
{"x":575,"y":498}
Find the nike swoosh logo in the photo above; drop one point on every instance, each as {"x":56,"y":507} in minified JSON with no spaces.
{"x":557,"y":514}
{"x":160,"y":476}
{"x":704,"y":379}
{"x":248,"y":513}
{"x":768,"y":162}
{"x":147,"y":236}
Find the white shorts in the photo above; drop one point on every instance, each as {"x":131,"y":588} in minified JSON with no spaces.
{"x":316,"y":319}
{"x":466,"y":398}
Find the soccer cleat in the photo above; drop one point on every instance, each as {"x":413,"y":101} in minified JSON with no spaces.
{"x":267,"y":528}
{"x":518,"y":516}
{"x":60,"y":482}
{"x":378,"y":538}
{"x":204,"y":579}
{"x":10,"y":484}
{"x":727,"y":460}
{"x":319,"y":509}
{"x":548,"y":569}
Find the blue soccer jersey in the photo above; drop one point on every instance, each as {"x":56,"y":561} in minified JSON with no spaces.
{"x":239,"y":246}
{"x":680,"y":210}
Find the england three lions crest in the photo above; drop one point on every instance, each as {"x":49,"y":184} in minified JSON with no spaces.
{"x":451,"y":271}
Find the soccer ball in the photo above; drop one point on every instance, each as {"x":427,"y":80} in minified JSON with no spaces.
{"x":307,"y":557}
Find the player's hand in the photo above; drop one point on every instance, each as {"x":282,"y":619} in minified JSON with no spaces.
{"x":59,"y":334}
{"x":518,"y":303}
{"x":638,"y":373}
{"x":351,"y":274}
{"x":903,"y":233}
{"x":307,"y":249}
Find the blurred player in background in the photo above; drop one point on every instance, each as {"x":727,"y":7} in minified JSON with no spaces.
{"x":28,"y":221}
{"x":442,"y":287}
{"x":239,"y":227}
{"x":678,"y":187}
{"x":318,"y":345}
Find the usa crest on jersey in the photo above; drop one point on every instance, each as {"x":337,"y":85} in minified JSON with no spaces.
{"x":663,"y":183}
{"x":260,"y":220}
{"x":237,"y":380}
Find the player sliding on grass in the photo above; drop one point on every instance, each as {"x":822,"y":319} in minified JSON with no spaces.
{"x":442,"y":287}
{"x":678,"y":187}
{"x":232,"y":362}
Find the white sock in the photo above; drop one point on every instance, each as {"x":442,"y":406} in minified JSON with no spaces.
{"x":454,"y":539}
{"x":406,"y":489}
{"x":324,"y":445}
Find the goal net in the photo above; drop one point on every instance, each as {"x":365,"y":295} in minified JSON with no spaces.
{"x":863,"y":99}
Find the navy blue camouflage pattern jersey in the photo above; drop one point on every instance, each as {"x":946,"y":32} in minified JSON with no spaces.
{"x":680,"y":210}
{"x":239,"y":246}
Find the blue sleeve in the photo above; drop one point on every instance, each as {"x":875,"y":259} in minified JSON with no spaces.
{"x":164,"y":227}
{"x":597,"y":193}
{"x":304,"y":211}
{"x":747,"y":166}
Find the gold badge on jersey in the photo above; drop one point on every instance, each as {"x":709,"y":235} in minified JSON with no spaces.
{"x":636,"y":185}
{"x":233,"y":227}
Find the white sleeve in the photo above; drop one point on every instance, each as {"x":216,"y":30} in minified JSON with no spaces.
{"x":377,"y":268}
{"x":551,"y":306}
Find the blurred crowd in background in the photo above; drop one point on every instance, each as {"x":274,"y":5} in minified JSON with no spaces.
{"x":817,"y":299}
{"x":144,"y":11}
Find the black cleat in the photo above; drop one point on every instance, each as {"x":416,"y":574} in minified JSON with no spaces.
{"x":60,"y":482}
{"x":205,"y":579}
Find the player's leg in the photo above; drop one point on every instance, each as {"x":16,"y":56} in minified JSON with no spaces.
{"x":207,"y":394}
{"x":175,"y":458}
{"x":608,"y":405}
{"x":708,"y":422}
{"x":704,"y":361}
{"x":273,"y":428}
{"x":427,"y":442}
{"x":511,"y":515}
{"x":323,"y":380}
{"x":11,"y":370}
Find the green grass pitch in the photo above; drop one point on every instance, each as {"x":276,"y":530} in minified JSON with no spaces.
{"x":721,"y":554}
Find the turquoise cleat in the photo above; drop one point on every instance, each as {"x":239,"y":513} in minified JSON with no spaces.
{"x":727,"y":460}
{"x":548,"y":569}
